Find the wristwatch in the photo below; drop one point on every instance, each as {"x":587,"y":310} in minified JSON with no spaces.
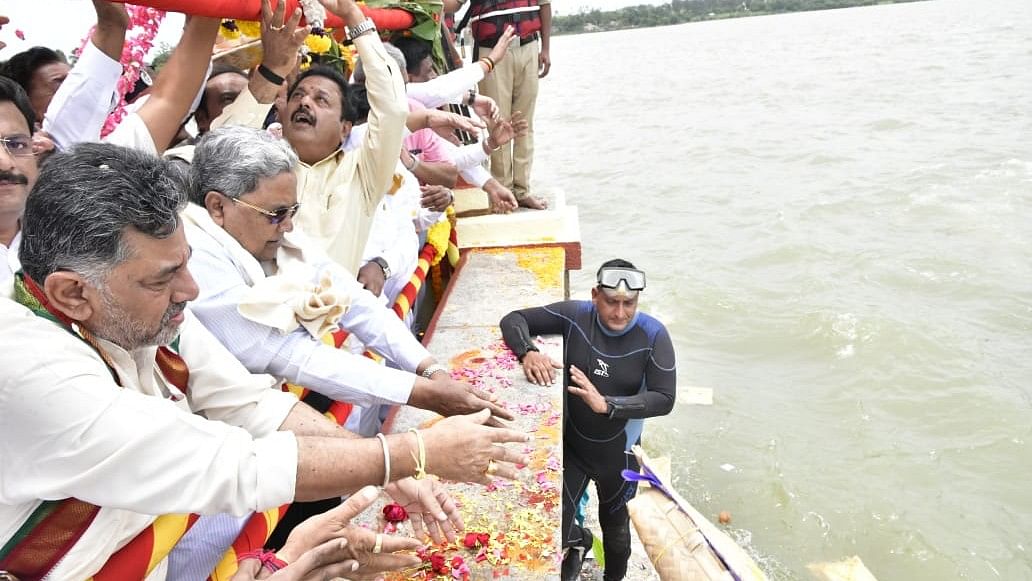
{"x":527,"y":349}
{"x":383,"y":265}
{"x":432,"y":369}
{"x":362,"y":28}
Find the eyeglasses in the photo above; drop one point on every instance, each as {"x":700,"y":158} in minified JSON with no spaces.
{"x":275,"y":217}
{"x":612,"y":277}
{"x":18,"y":145}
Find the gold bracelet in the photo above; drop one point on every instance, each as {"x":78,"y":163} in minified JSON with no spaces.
{"x":421,"y":459}
{"x":386,"y":460}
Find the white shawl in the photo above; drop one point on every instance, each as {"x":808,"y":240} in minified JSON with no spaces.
{"x":284,"y":300}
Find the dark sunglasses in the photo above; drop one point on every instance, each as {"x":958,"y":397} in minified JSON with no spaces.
{"x":275,"y":217}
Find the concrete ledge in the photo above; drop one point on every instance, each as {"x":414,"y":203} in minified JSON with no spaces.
{"x":557,"y":226}
{"x":522,"y":518}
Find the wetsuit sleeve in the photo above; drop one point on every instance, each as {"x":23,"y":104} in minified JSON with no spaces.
{"x":657,"y":399}
{"x":519,"y":326}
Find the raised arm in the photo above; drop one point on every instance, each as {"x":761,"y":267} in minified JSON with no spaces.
{"x":281,"y":39}
{"x":388,"y":111}
{"x":112,"y":22}
{"x":82,"y":103}
{"x":180,"y":80}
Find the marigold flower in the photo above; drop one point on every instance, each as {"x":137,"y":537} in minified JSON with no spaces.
{"x":250,"y":28}
{"x":318,"y":43}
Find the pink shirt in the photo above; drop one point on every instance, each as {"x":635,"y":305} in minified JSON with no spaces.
{"x":425,"y":140}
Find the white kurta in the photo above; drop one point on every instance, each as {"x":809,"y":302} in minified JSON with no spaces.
{"x":9,"y":263}
{"x":69,"y":430}
{"x":452,"y":87}
{"x":82,"y":103}
{"x":220,"y":266}
{"x":393,"y":235}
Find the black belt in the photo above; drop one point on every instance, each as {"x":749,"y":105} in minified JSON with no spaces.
{"x":534,"y":36}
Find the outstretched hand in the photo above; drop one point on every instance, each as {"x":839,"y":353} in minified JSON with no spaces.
{"x":586,"y":391}
{"x":505,"y":130}
{"x":499,"y":197}
{"x":430,"y":508}
{"x":281,"y":37}
{"x":463,"y":449}
{"x":449,"y":397}
{"x":328,"y":546}
{"x":436,"y":119}
{"x":361,"y":542}
{"x":540,"y":368}
{"x":501,"y":48}
{"x":321,"y":562}
{"x":435,"y":197}
{"x":486,"y":108}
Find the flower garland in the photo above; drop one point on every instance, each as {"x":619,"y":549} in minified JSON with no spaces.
{"x":319,"y":46}
{"x":143,"y":27}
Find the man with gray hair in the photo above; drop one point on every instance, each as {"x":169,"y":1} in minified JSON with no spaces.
{"x":272,"y":297}
{"x":119,"y":406}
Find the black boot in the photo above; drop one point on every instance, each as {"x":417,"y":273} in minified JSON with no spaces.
{"x":575,"y":557}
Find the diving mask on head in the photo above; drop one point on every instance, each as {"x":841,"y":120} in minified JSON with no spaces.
{"x":621,"y":282}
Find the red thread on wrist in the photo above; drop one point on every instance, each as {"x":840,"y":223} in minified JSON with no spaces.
{"x":268,"y":559}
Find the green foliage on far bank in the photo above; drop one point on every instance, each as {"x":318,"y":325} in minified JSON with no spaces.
{"x":681,"y":11}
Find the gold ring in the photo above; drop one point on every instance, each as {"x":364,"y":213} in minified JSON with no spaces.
{"x":277,"y":28}
{"x":378,"y":546}
{"x":491,"y":468}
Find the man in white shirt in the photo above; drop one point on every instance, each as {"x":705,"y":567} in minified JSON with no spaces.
{"x":18,"y":170}
{"x":428,"y":89}
{"x":259,"y":280}
{"x":114,"y":395}
{"x":81,"y":105}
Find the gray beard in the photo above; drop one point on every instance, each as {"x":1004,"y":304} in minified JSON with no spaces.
{"x":129,"y":334}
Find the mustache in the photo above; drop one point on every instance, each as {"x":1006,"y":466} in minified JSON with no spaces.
{"x":303,"y":110}
{"x":10,"y":176}
{"x":172,"y":311}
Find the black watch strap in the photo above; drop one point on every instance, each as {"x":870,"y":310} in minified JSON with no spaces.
{"x":526,"y":349}
{"x":269,"y":75}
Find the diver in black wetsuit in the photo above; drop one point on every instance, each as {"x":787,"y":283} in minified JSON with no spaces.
{"x":621,"y":370}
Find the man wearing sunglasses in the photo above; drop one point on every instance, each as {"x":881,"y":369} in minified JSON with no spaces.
{"x":18,"y":170}
{"x":620,"y":371}
{"x":271,"y":296}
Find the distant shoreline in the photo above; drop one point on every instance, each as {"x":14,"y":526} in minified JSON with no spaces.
{"x":684,"y":11}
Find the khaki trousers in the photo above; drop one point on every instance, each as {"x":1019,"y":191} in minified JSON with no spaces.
{"x":514,"y":86}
